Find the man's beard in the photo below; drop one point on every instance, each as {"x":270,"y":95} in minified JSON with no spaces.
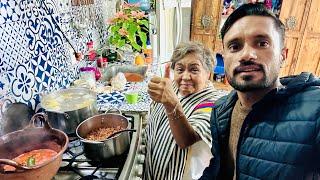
{"x":247,"y":85}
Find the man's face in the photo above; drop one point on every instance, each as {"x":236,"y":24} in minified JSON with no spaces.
{"x":253,"y":53}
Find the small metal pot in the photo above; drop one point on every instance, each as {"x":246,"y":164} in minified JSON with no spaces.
{"x":67,"y":119}
{"x":28,"y":139}
{"x":101,"y":150}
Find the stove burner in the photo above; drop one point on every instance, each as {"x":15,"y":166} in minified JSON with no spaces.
{"x":72,"y":137}
{"x":89,"y":177}
{"x":75,"y":164}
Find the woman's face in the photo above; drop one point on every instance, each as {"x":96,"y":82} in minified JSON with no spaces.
{"x":190,"y":75}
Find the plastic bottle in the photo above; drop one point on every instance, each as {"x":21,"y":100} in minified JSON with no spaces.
{"x":148,"y":53}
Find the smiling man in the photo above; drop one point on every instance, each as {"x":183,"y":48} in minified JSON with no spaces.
{"x":267,"y":128}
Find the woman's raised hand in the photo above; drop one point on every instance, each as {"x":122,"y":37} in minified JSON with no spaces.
{"x":161,"y":91}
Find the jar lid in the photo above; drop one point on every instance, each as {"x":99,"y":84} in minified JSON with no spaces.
{"x":82,"y":69}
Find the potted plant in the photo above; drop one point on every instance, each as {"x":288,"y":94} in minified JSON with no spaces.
{"x":128,"y":29}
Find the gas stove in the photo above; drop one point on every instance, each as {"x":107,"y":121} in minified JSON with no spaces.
{"x":129,"y":165}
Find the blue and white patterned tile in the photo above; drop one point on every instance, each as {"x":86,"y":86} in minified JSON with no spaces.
{"x":36,"y":35}
{"x":63,"y":5}
{"x":45,"y":60}
{"x":30,"y":9}
{"x":61,"y":63}
{"x":43,"y":72}
{"x":53,"y":6}
{"x":60,"y":57}
{"x":23,"y":84}
{"x":10,"y":11}
{"x":111,"y":98}
{"x":4,"y":85}
{"x":65,"y":19}
{"x":52,"y":34}
{"x":13,"y":45}
{"x":43,"y":34}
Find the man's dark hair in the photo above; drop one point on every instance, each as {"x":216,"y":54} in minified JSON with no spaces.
{"x":250,"y":9}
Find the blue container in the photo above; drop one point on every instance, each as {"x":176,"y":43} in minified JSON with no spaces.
{"x":133,"y":1}
{"x":144,"y":4}
{"x":219,"y":69}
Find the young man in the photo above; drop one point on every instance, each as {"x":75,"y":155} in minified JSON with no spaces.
{"x":268,"y":128}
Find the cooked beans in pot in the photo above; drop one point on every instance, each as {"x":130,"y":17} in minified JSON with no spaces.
{"x":102,"y":133}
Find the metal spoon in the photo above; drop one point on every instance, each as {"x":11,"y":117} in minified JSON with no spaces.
{"x":118,"y":132}
{"x":14,"y":164}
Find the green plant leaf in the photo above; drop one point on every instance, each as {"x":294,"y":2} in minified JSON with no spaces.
{"x":137,"y":30}
{"x":136,"y":46}
{"x":121,"y":42}
{"x":114,"y":29}
{"x":144,"y":22}
{"x":132,"y":28}
{"x":143,"y":38}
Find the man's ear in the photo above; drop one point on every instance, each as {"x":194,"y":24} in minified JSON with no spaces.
{"x":284,"y":54}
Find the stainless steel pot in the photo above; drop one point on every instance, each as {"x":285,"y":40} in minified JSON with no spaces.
{"x":67,"y":108}
{"x":101,"y":150}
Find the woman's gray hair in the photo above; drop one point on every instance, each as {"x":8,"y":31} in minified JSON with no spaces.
{"x":184,"y":49}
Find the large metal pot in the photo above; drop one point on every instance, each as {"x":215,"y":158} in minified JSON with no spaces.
{"x":28,"y":139}
{"x":101,"y":150}
{"x":67,"y":108}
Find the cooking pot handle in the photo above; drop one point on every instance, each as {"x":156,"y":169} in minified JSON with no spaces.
{"x":42,"y":117}
{"x":12,"y":163}
{"x":113,"y":108}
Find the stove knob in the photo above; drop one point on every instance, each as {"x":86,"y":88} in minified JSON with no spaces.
{"x":139,"y":170}
{"x":143,"y":149}
{"x":141,"y":158}
{"x":143,"y":137}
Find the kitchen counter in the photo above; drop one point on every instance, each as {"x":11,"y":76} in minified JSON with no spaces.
{"x":117,"y":100}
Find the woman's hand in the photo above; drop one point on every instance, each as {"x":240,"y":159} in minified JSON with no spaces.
{"x":161,"y":91}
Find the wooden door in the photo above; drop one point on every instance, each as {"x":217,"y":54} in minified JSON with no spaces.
{"x":205,"y":21}
{"x":302,"y":19}
{"x":294,"y":15}
{"x":309,"y":54}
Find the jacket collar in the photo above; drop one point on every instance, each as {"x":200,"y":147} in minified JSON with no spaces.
{"x":291,"y":85}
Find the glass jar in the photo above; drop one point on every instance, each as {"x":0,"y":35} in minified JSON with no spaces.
{"x":88,"y":77}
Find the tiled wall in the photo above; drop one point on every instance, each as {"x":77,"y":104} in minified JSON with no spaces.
{"x":34,"y":55}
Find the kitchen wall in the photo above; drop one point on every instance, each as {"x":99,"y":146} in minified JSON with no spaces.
{"x":34,"y":55}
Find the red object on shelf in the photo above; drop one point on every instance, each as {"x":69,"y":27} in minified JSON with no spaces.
{"x":90,"y":45}
{"x":102,"y":62}
{"x":97,"y":74}
{"x":92,"y":55}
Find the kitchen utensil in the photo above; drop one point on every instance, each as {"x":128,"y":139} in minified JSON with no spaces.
{"x":28,"y":139}
{"x":118,"y":132}
{"x":67,"y":108}
{"x":101,"y":150}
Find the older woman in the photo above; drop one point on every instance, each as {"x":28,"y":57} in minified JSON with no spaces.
{"x":180,"y":115}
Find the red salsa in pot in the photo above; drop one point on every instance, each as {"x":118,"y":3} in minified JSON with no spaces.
{"x":32,"y":158}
